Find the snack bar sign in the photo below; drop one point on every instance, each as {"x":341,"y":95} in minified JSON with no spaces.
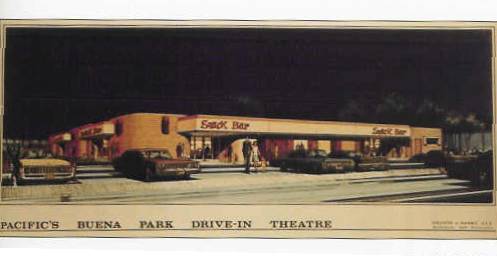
{"x":389,"y":131}
{"x":92,"y":131}
{"x":106,"y":129}
{"x":224,"y":125}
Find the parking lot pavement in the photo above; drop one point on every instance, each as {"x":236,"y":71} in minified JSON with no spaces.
{"x":96,"y":172}
{"x":99,"y":188}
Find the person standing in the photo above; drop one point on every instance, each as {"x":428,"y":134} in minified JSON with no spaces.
{"x":255,"y":155}
{"x":206,"y":153}
{"x":179,"y":150}
{"x":247,"y":152}
{"x":276,"y":152}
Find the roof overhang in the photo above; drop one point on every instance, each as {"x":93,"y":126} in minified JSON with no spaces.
{"x":229,"y":126}
{"x":61,"y":138}
{"x":97,"y":131}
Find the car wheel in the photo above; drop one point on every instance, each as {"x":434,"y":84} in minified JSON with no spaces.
{"x":483,"y":178}
{"x":186,"y":176}
{"x":283,"y":167}
{"x":317,"y":168}
{"x":147,"y":174}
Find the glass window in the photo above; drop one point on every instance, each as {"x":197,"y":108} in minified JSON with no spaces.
{"x":119,"y":128}
{"x":299,"y":144}
{"x":159,"y":154}
{"x":432,"y":141}
{"x":165,"y":125}
{"x":321,"y":153}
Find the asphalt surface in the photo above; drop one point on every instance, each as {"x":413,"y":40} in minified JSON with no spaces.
{"x":359,"y":190}
{"x":231,"y":186}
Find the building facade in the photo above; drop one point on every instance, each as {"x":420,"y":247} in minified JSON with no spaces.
{"x":221,"y":137}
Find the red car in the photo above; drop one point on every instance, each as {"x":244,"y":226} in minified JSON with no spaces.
{"x":148,"y":164}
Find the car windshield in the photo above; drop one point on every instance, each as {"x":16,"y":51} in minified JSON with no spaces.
{"x":158,"y":154}
{"x":344,"y":154}
{"x":36,"y":154}
{"x":317,"y":153}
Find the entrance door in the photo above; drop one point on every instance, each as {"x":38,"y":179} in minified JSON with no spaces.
{"x":312,"y":144}
{"x":276,"y":148}
{"x":336,"y":145}
{"x":222,"y":148}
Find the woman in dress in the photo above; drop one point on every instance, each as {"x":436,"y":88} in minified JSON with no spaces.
{"x":256,"y":155}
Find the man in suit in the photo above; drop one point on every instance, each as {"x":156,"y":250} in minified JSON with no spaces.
{"x":247,"y":152}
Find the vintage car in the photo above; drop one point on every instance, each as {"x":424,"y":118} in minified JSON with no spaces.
{"x":315,"y":161}
{"x":363,"y":162}
{"x":432,"y":159}
{"x":477,"y":168}
{"x":148,"y":164}
{"x":42,"y":170}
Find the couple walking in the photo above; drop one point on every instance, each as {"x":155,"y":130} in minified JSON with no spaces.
{"x":251,"y":154}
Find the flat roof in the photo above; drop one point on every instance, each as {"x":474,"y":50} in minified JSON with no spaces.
{"x":238,"y":125}
{"x":284,"y":120}
{"x":192,"y":124}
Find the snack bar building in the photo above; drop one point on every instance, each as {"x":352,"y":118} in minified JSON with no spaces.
{"x":221,"y":137}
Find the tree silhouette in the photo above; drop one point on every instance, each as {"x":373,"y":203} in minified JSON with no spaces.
{"x":394,"y":108}
{"x":354,"y":111}
{"x":430,"y":114}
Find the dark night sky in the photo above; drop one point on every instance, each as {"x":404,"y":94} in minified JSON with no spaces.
{"x":57,"y":79}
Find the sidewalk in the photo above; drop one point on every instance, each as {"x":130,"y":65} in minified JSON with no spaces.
{"x":215,"y":163}
{"x":199,"y":183}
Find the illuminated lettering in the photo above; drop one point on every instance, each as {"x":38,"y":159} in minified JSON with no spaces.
{"x":218,"y":125}
{"x":223,"y":125}
{"x":240,"y":125}
{"x":91,"y":131}
{"x":388,"y":131}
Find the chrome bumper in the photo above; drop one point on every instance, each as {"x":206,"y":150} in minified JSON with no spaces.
{"x":47,"y":176}
{"x":176,"y":171}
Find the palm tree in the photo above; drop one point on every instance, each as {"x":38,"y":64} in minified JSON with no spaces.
{"x":457,"y":123}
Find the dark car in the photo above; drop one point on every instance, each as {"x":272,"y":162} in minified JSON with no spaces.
{"x":432,"y":159}
{"x":363,"y":162}
{"x":147,"y":164}
{"x":315,"y":161}
{"x":477,"y":168}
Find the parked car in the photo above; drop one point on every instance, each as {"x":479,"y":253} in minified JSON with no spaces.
{"x":435,"y":159}
{"x":43,"y":169}
{"x":315,"y":161}
{"x":147,"y":164}
{"x":363,"y":162}
{"x":432,"y":159}
{"x":477,"y":168}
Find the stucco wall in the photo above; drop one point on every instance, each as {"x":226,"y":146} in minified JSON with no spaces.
{"x":422,"y":133}
{"x":143,"y":130}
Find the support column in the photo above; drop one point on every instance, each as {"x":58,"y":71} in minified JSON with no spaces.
{"x":194,"y":143}
{"x":203,"y":148}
